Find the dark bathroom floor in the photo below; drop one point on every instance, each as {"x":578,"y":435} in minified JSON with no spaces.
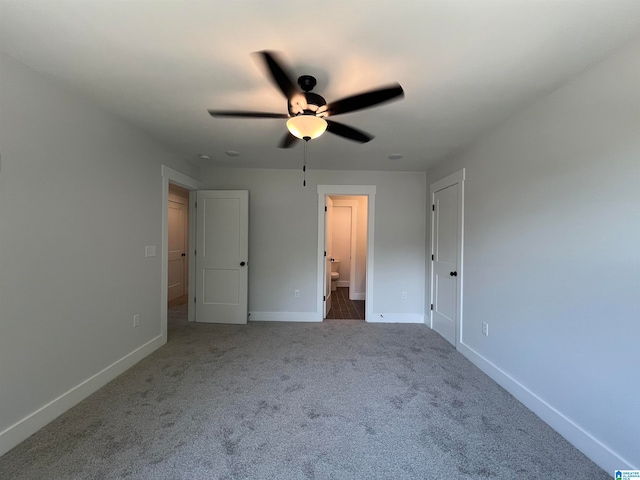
{"x":344,"y":309}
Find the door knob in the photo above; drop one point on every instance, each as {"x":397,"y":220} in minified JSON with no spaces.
{"x":242,"y":264}
{"x":453,"y":274}
{"x":184,"y":254}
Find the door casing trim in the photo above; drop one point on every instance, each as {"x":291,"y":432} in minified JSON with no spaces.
{"x":347,"y":190}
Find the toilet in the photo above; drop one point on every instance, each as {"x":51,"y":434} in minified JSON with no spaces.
{"x":335,"y":273}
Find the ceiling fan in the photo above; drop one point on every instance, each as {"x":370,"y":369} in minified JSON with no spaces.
{"x":307,"y":111}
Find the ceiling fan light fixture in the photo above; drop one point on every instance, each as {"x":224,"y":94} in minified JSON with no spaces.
{"x":306,"y":126}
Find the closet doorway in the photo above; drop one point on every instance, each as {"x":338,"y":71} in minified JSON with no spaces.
{"x":178,"y":246}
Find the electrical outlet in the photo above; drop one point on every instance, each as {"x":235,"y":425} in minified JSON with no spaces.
{"x":136,"y":320}
{"x":404,"y":295}
{"x":296,"y":293}
{"x":485,"y":329}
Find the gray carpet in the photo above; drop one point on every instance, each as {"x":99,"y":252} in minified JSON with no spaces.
{"x":337,"y":400}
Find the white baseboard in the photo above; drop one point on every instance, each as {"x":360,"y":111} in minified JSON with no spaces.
{"x":357,"y":296}
{"x":285,"y":317}
{"x":343,"y":283}
{"x":396,"y":318}
{"x":33,"y":422}
{"x":602,"y":455}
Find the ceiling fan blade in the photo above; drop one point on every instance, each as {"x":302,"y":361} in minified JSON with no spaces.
{"x":288,"y":141}
{"x":348,"y":132}
{"x":244,"y":114}
{"x":365,"y":100}
{"x":280,"y":75}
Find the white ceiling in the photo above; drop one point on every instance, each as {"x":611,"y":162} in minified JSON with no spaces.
{"x":465,"y":66}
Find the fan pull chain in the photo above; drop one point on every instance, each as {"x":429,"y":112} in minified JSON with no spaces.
{"x":304,"y":166}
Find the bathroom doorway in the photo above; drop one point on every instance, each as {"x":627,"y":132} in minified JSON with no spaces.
{"x":347,"y":252}
{"x":344,"y":234}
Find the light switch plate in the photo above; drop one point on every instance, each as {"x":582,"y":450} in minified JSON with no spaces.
{"x":150,"y":251}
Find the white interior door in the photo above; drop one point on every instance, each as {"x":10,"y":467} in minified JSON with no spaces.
{"x":222,"y":224}
{"x":177,"y":270}
{"x":328,"y":239}
{"x":446,"y":250}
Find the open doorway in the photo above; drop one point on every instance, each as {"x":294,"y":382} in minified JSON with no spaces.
{"x":178,"y":255}
{"x":178,"y":248}
{"x":171,"y":179}
{"x":345,"y":251}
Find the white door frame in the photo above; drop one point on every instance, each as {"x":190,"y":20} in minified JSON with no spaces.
{"x":347,"y":190}
{"x":169,"y":175}
{"x":456,"y":177}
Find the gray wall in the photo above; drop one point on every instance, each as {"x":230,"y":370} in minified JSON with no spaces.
{"x":80,"y":198}
{"x":552,"y":254}
{"x":283,"y":235}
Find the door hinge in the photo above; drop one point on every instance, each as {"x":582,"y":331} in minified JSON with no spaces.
{"x":195,"y":252}
{"x":433,"y":208}
{"x":194,"y":300}
{"x":324,"y":298}
{"x":325,"y":253}
{"x":325,"y":208}
{"x":432,"y":259}
{"x":432,"y":306}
